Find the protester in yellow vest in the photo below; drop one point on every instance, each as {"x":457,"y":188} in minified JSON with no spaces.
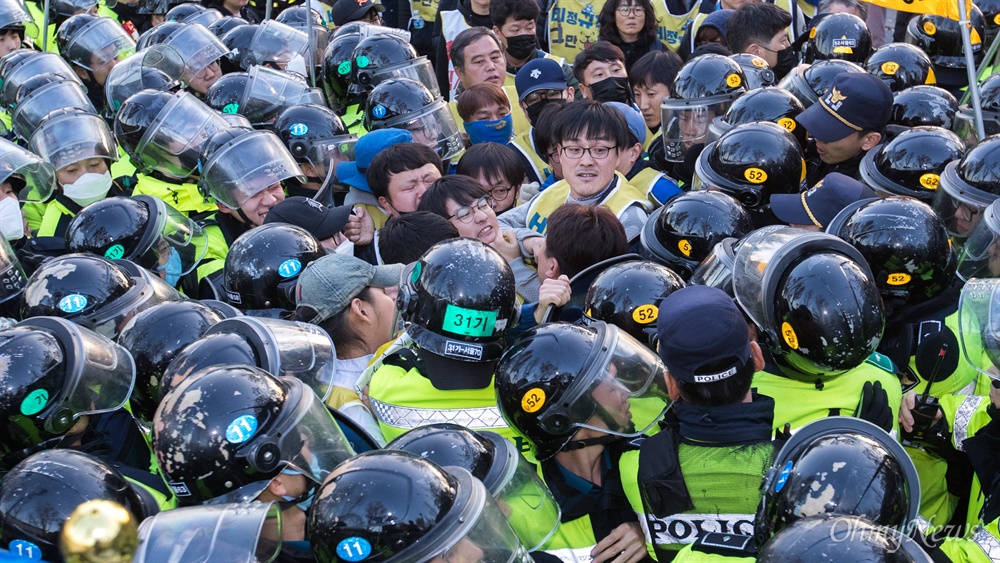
{"x":539,"y":83}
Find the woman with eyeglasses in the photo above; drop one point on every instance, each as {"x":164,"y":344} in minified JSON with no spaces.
{"x":498,"y":170}
{"x":631,"y":26}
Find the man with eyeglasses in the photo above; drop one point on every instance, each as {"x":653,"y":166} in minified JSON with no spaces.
{"x":539,"y":83}
{"x":590,"y":137}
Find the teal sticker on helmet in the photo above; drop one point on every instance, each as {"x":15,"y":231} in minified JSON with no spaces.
{"x":354,"y":549}
{"x":241,"y":429}
{"x":468,"y":322}
{"x":115,"y":252}
{"x":415,"y":275}
{"x":290,"y":268}
{"x":231,"y":108}
{"x":379,"y":111}
{"x":298,"y":129}
{"x":782,"y":477}
{"x":34,"y":402}
{"x":117,"y":104}
{"x":73,"y":303}
{"x":362,"y":61}
{"x":344,"y":68}
{"x":26,"y":549}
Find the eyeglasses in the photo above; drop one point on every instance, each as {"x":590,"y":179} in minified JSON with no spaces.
{"x":599,"y":153}
{"x":626,"y":10}
{"x":539,"y":95}
{"x":500,"y":192}
{"x":467,"y":213}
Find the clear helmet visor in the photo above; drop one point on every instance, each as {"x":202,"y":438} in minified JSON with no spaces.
{"x":325,"y":155}
{"x":965,"y":125}
{"x":99,"y":44}
{"x":69,"y":138}
{"x":716,"y":270}
{"x":12,"y":12}
{"x":31,"y":177}
{"x":621,"y":392}
{"x":755,"y":252}
{"x":980,"y":255}
{"x":474,"y":530}
{"x":433,"y":126}
{"x":198,"y":48}
{"x":247,"y":166}
{"x":131,"y":75}
{"x":979,"y":325}
{"x":717,"y":128}
{"x":233,"y":532}
{"x":278,"y":44}
{"x":12,"y":278}
{"x":172,"y":144}
{"x":686,"y":122}
{"x":148,"y":291}
{"x":205,"y":17}
{"x":37,"y":64}
{"x":959,"y":204}
{"x":100,"y":374}
{"x":522,"y":497}
{"x":270,"y":91}
{"x":39,"y":104}
{"x":181,"y":243}
{"x":795,"y":82}
{"x":290,"y":349}
{"x":419,"y":69}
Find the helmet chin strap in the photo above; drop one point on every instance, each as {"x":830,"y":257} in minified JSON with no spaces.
{"x":587,"y":442}
{"x":243,"y":216}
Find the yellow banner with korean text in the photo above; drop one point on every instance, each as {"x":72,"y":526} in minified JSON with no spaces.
{"x":946,"y":8}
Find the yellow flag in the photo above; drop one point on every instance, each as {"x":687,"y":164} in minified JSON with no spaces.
{"x":946,"y":8}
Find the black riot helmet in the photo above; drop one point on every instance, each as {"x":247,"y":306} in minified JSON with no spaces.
{"x":763,"y":104}
{"x":164,"y":132}
{"x":379,"y":58}
{"x":529,"y":506}
{"x":407,"y":104}
{"x":93,"y":292}
{"x":752,"y":162}
{"x":270,"y":43}
{"x":56,"y":372}
{"x":458,"y":300}
{"x":756,"y":70}
{"x":156,"y":336}
{"x":901,"y":65}
{"x":299,"y":16}
{"x":238,"y":40}
{"x":315,"y":136}
{"x":911,"y":163}
{"x":829,"y":538}
{"x":838,"y":36}
{"x":813,"y":299}
{"x":991,"y":16}
{"x":226,"y":24}
{"x":923,"y":105}
{"x":842,"y":466}
{"x":12,"y":280}
{"x":967,"y":186}
{"x":941,"y":38}
{"x":226,"y":431}
{"x":39,"y":494}
{"x":159,"y":67}
{"x":21,"y":65}
{"x":628,"y":295}
{"x":264,"y":263}
{"x":394,"y":506}
{"x":181,"y":12}
{"x":809,"y":83}
{"x":905,"y":244}
{"x":260,"y":94}
{"x":239,"y":163}
{"x":91,"y":42}
{"x":157,"y":35}
{"x":338,"y":62}
{"x":989,"y":100}
{"x":280,"y":347}
{"x":558,"y":378}
{"x":142,"y":229}
{"x":684,"y":231}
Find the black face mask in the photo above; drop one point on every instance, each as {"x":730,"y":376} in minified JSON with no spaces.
{"x":612,"y":89}
{"x":520,"y":47}
{"x":532,"y":112}
{"x":786,"y":62}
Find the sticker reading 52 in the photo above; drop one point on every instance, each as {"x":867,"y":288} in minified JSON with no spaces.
{"x":469,"y":322}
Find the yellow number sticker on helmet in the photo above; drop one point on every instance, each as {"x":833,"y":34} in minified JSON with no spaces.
{"x":930,"y":181}
{"x":685,"y":247}
{"x":645,"y":314}
{"x":533,"y":400}
{"x":734,"y":80}
{"x":812,"y":33}
{"x":890,"y":68}
{"x":755,"y":175}
{"x":758,"y":62}
{"x":901,"y":278}
{"x":788,"y":123}
{"x":788,"y":333}
{"x":930,"y":28}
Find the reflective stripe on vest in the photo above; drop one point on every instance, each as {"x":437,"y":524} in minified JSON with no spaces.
{"x":572,"y":555}
{"x":524,"y":144}
{"x":962,"y":417}
{"x":411,"y":417}
{"x":989,"y":544}
{"x":685,"y":528}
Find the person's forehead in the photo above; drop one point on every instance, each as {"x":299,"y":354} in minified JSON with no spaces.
{"x":484,"y":44}
{"x":428,"y":168}
{"x":586,"y":139}
{"x":605,"y":66}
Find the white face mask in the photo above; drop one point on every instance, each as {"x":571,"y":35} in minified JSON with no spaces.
{"x":297,"y":64}
{"x":11,"y":223}
{"x":346,"y":247}
{"x":88,"y":188}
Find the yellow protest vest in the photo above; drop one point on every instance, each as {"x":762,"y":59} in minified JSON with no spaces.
{"x":572,"y":26}
{"x":696,"y":20}
{"x":671,"y":29}
{"x":183,"y":197}
{"x":648,"y":180}
{"x":524,"y":144}
{"x":620,"y":199}
{"x":422,"y":12}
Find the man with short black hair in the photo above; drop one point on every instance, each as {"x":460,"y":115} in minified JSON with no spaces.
{"x":399,"y":176}
{"x":762,"y":29}
{"x":600,"y":69}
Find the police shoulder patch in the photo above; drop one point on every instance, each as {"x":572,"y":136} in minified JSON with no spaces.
{"x":882,"y":362}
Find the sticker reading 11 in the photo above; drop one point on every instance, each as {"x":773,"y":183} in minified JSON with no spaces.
{"x":469,"y":322}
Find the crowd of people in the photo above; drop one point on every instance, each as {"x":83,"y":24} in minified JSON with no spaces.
{"x":497,"y":281}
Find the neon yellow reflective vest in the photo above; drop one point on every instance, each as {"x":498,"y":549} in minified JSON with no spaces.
{"x":618,"y":200}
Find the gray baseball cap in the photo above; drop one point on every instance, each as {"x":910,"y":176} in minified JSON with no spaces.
{"x":328,"y":284}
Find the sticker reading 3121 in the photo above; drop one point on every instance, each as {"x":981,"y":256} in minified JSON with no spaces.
{"x":469,"y":322}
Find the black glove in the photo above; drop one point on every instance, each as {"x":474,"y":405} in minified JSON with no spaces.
{"x":874,"y":406}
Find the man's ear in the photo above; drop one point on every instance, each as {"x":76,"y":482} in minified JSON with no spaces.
{"x":753,"y":49}
{"x":870,"y":140}
{"x":757,"y":356}
{"x":82,"y":73}
{"x":584,"y":91}
{"x":672,"y":390}
{"x":384,"y":203}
